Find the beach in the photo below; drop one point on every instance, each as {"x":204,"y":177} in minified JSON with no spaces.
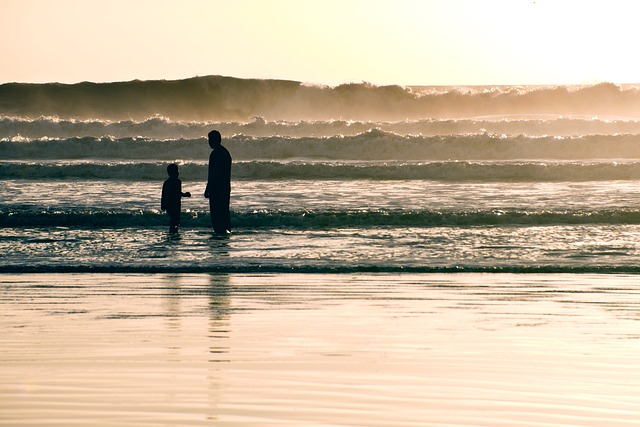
{"x":319,"y":349}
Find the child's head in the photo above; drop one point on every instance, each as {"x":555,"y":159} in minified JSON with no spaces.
{"x":172,"y":170}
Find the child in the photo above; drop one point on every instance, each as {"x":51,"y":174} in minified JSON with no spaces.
{"x":171,"y":197}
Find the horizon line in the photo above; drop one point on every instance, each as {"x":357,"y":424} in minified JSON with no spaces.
{"x":302,"y":82}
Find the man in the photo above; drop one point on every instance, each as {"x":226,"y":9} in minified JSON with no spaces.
{"x":218,"y":189}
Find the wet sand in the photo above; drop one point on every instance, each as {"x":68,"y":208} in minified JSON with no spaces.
{"x":319,"y":350}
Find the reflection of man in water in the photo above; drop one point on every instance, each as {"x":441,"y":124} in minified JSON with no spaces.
{"x":218,"y":189}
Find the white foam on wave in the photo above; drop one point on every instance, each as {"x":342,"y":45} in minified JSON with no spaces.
{"x":161,"y":128}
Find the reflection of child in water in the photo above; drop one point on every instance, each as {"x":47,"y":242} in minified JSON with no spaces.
{"x":171,"y":197}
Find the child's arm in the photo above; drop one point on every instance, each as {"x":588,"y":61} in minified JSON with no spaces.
{"x":187,"y":194}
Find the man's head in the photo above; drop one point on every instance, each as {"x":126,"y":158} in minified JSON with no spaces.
{"x":214,"y":139}
{"x":172,"y":170}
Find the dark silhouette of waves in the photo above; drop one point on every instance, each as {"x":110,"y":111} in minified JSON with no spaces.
{"x":219,"y":98}
{"x":309,"y":268}
{"x":314,"y":220}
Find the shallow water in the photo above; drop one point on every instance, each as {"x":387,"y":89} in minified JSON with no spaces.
{"x":291,"y":195}
{"x":568,"y":248}
{"x":349,"y":349}
{"x":324,"y":226}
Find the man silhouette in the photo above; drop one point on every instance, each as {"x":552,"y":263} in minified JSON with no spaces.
{"x":218,"y":189}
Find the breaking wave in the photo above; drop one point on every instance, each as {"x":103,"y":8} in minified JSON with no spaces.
{"x":162,"y":128}
{"x":218,"y":98}
{"x":373,"y":145}
{"x":310,"y":220}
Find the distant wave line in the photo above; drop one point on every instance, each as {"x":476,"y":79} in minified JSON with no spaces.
{"x":308,"y":219}
{"x":257,"y":267}
{"x":374,"y":145}
{"x":446,"y":171}
{"x":162,"y":128}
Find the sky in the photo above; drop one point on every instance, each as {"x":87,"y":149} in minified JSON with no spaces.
{"x":329,"y":42}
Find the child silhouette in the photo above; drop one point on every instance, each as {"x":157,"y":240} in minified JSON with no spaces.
{"x":172,"y":196}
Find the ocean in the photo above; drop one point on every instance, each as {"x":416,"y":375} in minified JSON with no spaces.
{"x":345,"y":179}
{"x":397,"y":253}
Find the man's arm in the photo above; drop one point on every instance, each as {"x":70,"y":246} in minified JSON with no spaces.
{"x":163,"y":198}
{"x":206,"y":190}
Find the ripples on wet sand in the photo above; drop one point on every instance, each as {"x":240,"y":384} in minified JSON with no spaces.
{"x":288,"y":349}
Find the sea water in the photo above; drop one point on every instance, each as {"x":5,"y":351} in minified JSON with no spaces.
{"x":354,"y":288}
{"x":324,"y":179}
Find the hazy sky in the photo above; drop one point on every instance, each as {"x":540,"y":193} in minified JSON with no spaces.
{"x":407,"y":42}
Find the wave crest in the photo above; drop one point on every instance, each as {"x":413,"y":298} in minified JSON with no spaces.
{"x":308,"y":220}
{"x":218,"y":98}
{"x":372,"y":145}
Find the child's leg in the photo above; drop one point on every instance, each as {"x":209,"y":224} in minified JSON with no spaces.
{"x":174,"y":220}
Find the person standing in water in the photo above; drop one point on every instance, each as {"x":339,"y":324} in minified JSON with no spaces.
{"x":172,"y":197}
{"x":218,"y":189}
